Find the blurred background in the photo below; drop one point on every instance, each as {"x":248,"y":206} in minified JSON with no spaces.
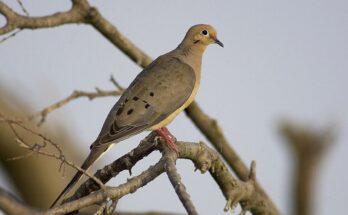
{"x":282,"y":60}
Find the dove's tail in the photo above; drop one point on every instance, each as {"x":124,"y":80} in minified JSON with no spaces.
{"x":95,"y":153}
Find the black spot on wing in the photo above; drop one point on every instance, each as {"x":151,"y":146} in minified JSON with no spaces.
{"x":120,"y":110}
{"x":130,"y":111}
{"x":147,"y":106}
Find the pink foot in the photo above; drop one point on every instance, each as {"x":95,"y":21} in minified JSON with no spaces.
{"x":168,"y":137}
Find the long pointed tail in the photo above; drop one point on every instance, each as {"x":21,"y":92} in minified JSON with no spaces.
{"x":95,"y":153}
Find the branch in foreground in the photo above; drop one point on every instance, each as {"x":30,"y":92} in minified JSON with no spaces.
{"x":210,"y":128}
{"x":127,"y":161}
{"x":11,"y":205}
{"x":146,"y":213}
{"x":204,"y":158}
{"x":175,"y":180}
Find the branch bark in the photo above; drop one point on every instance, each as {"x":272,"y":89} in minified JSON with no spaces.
{"x":204,"y":158}
{"x":175,"y":180}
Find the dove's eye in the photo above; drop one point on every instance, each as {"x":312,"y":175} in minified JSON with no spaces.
{"x":205,"y":32}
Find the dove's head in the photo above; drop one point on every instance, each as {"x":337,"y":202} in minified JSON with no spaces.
{"x":201,"y":35}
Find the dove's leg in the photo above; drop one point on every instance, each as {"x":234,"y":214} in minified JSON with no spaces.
{"x":168,"y":137}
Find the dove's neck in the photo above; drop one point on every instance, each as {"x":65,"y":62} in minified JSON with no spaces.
{"x":192,"y":55}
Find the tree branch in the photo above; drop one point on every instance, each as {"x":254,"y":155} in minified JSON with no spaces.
{"x":17,"y":21}
{"x":75,"y":95}
{"x":204,"y":158}
{"x":213,"y":132}
{"x":126,"y":162}
{"x":81,"y":12}
{"x":170,"y":157}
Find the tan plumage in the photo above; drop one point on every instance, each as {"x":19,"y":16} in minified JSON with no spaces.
{"x":156,"y":96}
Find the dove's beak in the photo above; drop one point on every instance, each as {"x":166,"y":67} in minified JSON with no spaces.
{"x":219,"y":43}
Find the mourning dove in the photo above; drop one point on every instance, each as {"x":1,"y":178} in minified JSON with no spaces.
{"x":155,"y":97}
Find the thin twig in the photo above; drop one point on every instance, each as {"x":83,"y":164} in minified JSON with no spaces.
{"x":13,"y":34}
{"x":22,"y":7}
{"x":38,"y":148}
{"x":112,"y":207}
{"x":116,"y":84}
{"x":76,"y":94}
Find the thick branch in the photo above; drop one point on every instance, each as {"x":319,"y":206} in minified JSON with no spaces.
{"x":17,"y":21}
{"x":210,"y":128}
{"x":205,"y":159}
{"x":110,"y":32}
{"x":114,"y":192}
{"x":126,"y":162}
{"x":81,"y":12}
{"x":146,"y":213}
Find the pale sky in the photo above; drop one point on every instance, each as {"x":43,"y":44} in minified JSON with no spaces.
{"x":282,"y":59}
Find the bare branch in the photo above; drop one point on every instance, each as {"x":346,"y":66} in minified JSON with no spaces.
{"x":17,"y":21}
{"x":13,"y":34}
{"x":126,"y":162}
{"x":146,"y":213}
{"x":113,"y":192}
{"x":210,"y":128}
{"x":204,"y":158}
{"x":75,"y":95}
{"x":116,"y":84}
{"x":22,"y":7}
{"x":170,"y":157}
{"x":81,"y":12}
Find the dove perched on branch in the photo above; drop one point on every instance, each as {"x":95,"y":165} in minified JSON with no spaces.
{"x":156,"y":96}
